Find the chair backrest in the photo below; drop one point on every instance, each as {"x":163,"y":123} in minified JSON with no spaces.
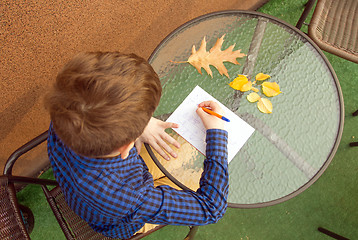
{"x":12,"y":226}
{"x":71,"y":224}
{"x":334,"y":27}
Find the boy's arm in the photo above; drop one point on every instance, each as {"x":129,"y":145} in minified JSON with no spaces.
{"x":209,"y":202}
{"x":166,"y":205}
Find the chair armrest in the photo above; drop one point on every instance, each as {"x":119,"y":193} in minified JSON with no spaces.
{"x":22,"y":150}
{"x":28,"y":180}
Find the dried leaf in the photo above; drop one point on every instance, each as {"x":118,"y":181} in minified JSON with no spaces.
{"x":271,"y":89}
{"x":241,"y":83}
{"x":215,"y":57}
{"x":262,"y":77}
{"x":264,"y":105}
{"x":253,"y":97}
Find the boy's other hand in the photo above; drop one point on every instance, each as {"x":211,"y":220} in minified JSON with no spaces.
{"x":210,"y":121}
{"x":154,"y":134}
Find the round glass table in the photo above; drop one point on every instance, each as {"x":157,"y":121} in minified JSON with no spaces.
{"x":292,"y":146}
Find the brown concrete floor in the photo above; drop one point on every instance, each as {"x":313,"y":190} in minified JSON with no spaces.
{"x":38,"y":37}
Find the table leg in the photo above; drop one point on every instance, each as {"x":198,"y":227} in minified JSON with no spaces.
{"x":280,"y":144}
{"x":331,"y":234}
{"x":308,"y":7}
{"x":251,"y":58}
{"x":192,"y":232}
{"x":254,"y":47}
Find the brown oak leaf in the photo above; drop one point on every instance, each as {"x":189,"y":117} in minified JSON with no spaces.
{"x":215,"y":57}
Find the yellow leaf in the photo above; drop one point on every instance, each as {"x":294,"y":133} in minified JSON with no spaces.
{"x":255,"y":89}
{"x":262,"y":77}
{"x":239,"y":82}
{"x":264,"y":105}
{"x":253,"y":97}
{"x":215,"y":57}
{"x":246,"y":87}
{"x":240,"y":76}
{"x":271,"y":89}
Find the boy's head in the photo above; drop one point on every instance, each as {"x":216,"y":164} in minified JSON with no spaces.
{"x":102,"y":101}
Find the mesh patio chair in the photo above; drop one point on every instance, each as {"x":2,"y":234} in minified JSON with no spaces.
{"x":71,"y":224}
{"x":334,"y":26}
{"x":16,"y":220}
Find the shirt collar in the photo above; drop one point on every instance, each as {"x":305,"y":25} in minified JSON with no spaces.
{"x":55,"y":144}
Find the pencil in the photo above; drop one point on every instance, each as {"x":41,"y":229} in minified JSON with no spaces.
{"x":215,"y":114}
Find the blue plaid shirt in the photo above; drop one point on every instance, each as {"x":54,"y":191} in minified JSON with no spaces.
{"x":116,"y":196}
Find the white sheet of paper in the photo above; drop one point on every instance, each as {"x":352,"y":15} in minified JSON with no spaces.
{"x":192,"y":129}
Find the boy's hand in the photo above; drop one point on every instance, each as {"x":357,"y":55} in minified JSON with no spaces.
{"x":154,"y":134}
{"x":210,"y":121}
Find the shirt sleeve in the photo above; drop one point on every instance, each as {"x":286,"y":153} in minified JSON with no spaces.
{"x":166,"y":205}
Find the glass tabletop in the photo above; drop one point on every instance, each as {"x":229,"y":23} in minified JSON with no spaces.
{"x":292,"y":146}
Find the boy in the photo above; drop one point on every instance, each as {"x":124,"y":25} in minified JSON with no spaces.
{"x":100,"y":107}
